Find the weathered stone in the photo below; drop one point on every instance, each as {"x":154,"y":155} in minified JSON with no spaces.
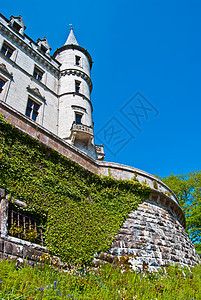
{"x":8,"y":247}
{"x":4,"y":217}
{"x":2,"y":193}
{"x":158,"y":242}
{"x":17,"y":250}
{"x":1,"y":246}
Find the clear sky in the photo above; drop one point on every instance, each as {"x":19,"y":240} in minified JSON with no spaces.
{"x":146,"y":74}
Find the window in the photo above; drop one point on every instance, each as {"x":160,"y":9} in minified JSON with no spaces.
{"x":38,"y":74}
{"x":77,"y":60}
{"x":78,"y":118}
{"x":43,"y":49}
{"x":7,"y":50}
{"x":77,"y":86}
{"x":16,"y":27}
{"x":32,"y":109}
{"x":24,"y":227}
{"x":2,"y":82}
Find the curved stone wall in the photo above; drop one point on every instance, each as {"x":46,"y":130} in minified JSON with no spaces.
{"x":153,"y":236}
{"x":100,"y":167}
{"x":120,"y":171}
{"x":155,"y":231}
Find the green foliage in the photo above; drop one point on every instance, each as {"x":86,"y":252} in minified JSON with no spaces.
{"x":83,"y":211}
{"x":29,"y":234}
{"x":188,"y":191}
{"x":104,"y":283}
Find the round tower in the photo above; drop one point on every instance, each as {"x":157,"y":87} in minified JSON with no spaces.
{"x":75,"y":86}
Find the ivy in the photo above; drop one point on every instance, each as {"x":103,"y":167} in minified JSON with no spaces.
{"x":83,"y":211}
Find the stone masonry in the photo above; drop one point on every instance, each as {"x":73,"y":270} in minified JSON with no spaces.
{"x":12,"y":247}
{"x":153,"y":236}
{"x":155,"y":232}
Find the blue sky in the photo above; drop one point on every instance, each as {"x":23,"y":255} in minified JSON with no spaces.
{"x":145,"y":53}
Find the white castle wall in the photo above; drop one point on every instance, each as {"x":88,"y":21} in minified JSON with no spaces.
{"x":21,"y":64}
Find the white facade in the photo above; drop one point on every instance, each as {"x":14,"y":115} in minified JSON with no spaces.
{"x":54,"y":91}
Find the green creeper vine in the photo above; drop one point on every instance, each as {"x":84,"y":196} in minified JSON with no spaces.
{"x":83,"y":211}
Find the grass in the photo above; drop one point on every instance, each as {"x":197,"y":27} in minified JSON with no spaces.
{"x":105,"y":282}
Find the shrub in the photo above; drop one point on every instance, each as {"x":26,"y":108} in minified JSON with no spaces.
{"x":83,"y":211}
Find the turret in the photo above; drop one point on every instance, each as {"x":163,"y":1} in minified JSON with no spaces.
{"x":75,"y":86}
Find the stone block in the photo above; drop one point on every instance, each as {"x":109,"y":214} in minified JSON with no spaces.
{"x":2,"y":193}
{"x":17,"y":250}
{"x":177,"y":246}
{"x":1,"y":246}
{"x":124,"y":231}
{"x":174,"y":258}
{"x":31,"y":253}
{"x":28,"y":252}
{"x":173,"y":251}
{"x":8,"y":247}
{"x":151,"y":247}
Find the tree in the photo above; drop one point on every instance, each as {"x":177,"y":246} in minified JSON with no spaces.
{"x":188,"y":191}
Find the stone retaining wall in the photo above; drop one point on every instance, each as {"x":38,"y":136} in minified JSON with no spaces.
{"x":152,"y":236}
{"x":22,"y":251}
{"x":52,"y":141}
{"x":154,"y":233}
{"x":12,"y":247}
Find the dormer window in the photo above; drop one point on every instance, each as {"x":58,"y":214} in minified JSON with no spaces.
{"x":77,"y":86}
{"x":43,"y":46}
{"x":77,"y":60}
{"x":17,"y":24}
{"x":38,"y":74}
{"x":7,"y":50}
{"x":43,"y":49}
{"x":16,"y":27}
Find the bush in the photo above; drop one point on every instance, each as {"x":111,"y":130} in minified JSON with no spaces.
{"x":83,"y":211}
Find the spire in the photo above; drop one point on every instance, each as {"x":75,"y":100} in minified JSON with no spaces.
{"x":71,"y":40}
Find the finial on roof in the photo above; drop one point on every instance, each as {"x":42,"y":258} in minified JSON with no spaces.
{"x":71,"y":40}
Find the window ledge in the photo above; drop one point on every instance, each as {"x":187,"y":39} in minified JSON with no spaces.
{"x":23,"y":242}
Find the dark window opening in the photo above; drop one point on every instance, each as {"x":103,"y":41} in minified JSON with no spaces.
{"x":77,"y":60}
{"x":2,"y":82}
{"x":32,"y":109}
{"x":16,"y":27}
{"x":7,"y":50}
{"x":24,"y":227}
{"x":77,"y":86}
{"x":38,"y":74}
{"x":78,"y":118}
{"x":43,"y":49}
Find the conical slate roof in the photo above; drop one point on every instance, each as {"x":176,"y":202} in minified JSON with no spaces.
{"x":71,"y":40}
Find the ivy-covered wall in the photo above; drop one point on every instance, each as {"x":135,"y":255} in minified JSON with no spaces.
{"x":83,"y":211}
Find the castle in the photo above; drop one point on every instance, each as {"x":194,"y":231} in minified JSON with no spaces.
{"x":53,"y":91}
{"x":49,"y":97}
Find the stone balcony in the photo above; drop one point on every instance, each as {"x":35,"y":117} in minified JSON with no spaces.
{"x":81,"y":133}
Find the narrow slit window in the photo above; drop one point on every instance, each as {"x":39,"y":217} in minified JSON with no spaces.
{"x":77,"y":60}
{"x":77,"y":86}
